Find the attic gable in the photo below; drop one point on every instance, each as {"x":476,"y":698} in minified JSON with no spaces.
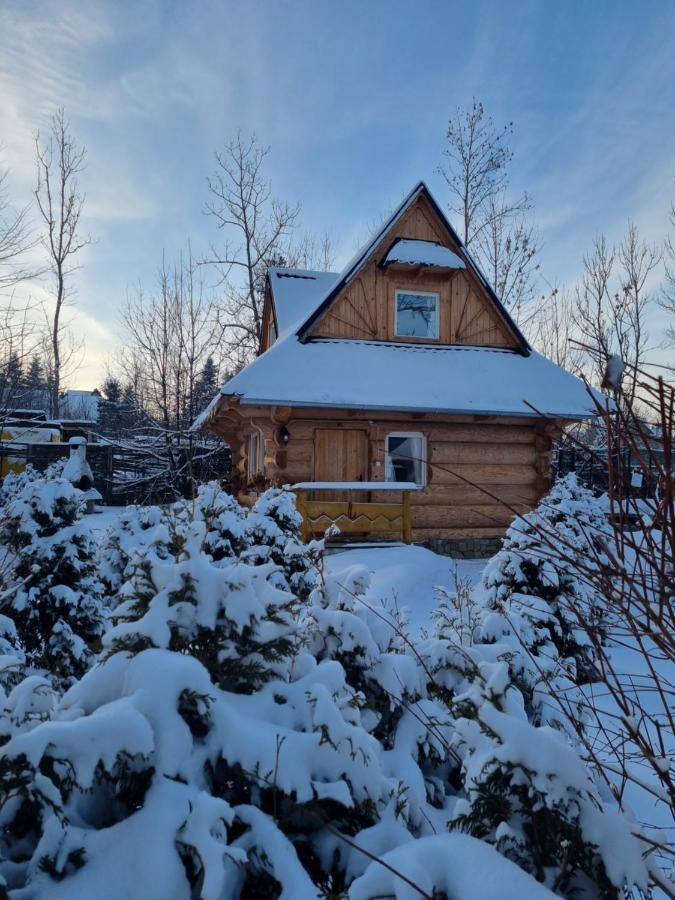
{"x":360,"y":305}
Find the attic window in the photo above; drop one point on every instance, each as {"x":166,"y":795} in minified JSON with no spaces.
{"x":417,"y":315}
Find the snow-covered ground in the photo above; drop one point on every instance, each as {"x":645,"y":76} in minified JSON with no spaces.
{"x":408,"y":575}
{"x":102,"y":518}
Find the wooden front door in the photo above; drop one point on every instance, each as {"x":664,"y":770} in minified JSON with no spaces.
{"x":340,"y":454}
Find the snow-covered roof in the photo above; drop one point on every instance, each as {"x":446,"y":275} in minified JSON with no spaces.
{"x":378,"y":375}
{"x":299,"y":370}
{"x":424,"y":253}
{"x":77,"y":406}
{"x":297,"y":293}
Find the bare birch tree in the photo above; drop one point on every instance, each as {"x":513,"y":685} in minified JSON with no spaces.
{"x":256,"y":226}
{"x":59,"y":159}
{"x":612,"y":304}
{"x":494,"y":225}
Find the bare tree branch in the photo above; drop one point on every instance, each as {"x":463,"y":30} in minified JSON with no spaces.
{"x":16,"y":239}
{"x":494,"y":226}
{"x":612,"y":303}
{"x":59,"y":161}
{"x":256,"y":226}
{"x":667,"y":298}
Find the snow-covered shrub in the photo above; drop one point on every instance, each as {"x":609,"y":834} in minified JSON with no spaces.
{"x":273,"y":535}
{"x":529,"y":794}
{"x":235,"y":787}
{"x":237,"y":741}
{"x":537,"y":561}
{"x":268,"y":533}
{"x":137,"y":530}
{"x":446,"y":865}
{"x":13,"y":483}
{"x":225,"y":521}
{"x":234,"y":620}
{"x":53,"y":584}
{"x":25,"y":698}
{"x":369,"y":643}
{"x":520,"y":784}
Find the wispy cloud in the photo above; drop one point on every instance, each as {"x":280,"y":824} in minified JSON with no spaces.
{"x":354,"y":101}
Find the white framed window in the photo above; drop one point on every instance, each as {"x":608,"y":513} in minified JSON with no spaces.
{"x":255,"y":462}
{"x":416,"y":314}
{"x":406,"y":457}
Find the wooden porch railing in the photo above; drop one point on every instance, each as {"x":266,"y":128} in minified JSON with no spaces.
{"x":354,"y":516}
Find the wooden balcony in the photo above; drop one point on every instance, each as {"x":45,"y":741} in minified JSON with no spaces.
{"x":354,"y":515}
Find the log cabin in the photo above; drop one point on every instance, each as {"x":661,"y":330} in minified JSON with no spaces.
{"x":404,"y":369}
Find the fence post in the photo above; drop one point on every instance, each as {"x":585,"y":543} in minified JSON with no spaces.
{"x":302,"y":509}
{"x":406,"y":521}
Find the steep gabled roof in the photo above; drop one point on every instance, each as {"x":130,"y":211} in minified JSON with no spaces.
{"x":357,"y":262}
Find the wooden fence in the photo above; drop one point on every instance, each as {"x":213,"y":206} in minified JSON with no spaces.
{"x":131,"y":473}
{"x":354,"y":516}
{"x":591,"y":468}
{"x":42,"y":455}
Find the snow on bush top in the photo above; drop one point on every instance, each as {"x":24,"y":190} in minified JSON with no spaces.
{"x":234,"y":740}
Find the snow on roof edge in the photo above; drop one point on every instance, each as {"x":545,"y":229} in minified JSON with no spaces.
{"x":449,"y":411}
{"x":208,"y":411}
{"x":501,"y":381}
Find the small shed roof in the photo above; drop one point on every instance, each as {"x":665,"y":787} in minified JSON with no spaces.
{"x":296,"y":293}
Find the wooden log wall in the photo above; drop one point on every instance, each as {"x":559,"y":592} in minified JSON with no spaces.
{"x":481,"y":470}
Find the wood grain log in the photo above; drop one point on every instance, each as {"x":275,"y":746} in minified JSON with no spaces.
{"x":478,"y":454}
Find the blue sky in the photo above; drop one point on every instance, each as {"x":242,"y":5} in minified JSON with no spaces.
{"x":354,"y":98}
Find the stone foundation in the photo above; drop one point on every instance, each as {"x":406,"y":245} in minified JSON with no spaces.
{"x":464,"y":548}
